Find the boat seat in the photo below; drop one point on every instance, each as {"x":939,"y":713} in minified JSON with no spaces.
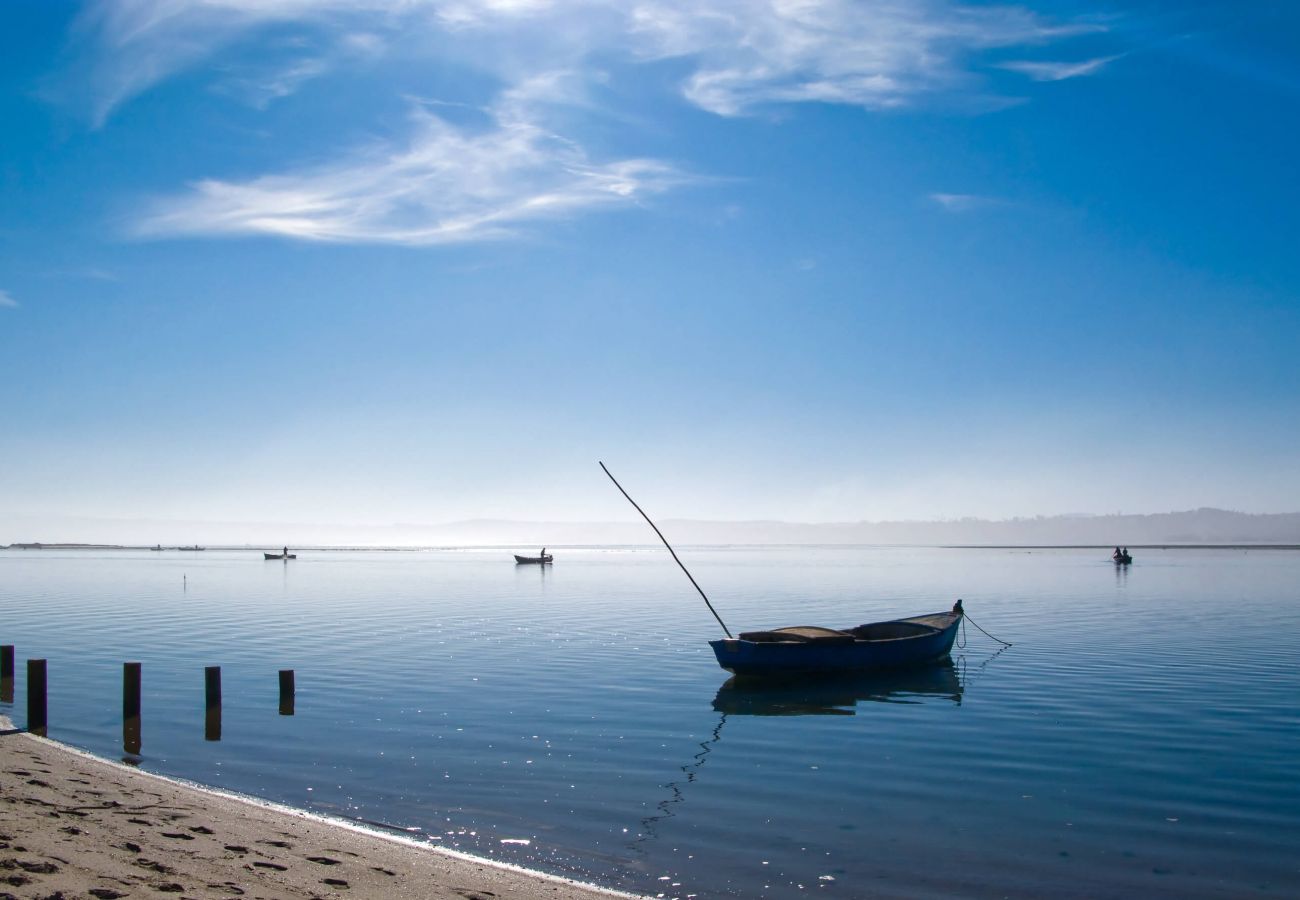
{"x":884,"y":631}
{"x":798,"y":634}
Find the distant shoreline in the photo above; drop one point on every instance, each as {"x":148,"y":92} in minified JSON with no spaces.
{"x":507,"y":546}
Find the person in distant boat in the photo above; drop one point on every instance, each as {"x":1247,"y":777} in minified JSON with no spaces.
{"x":285,"y":552}
{"x":543,"y":553}
{"x":1117,"y":553}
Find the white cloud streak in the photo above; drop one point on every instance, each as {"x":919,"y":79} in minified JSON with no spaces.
{"x":877,"y":55}
{"x":1057,"y":71}
{"x":446,"y":186}
{"x":958,"y":202}
{"x":6,"y":300}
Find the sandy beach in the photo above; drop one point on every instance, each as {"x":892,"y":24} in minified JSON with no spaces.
{"x":76,"y":826}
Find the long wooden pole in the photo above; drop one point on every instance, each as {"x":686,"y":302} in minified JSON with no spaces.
{"x":726,"y":630}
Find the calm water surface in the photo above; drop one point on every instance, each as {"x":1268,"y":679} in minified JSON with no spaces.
{"x":1141,"y":737}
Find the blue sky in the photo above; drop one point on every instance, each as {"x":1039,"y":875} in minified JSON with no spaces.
{"x":370,"y":262}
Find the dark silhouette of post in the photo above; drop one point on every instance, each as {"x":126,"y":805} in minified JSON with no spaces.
{"x":286,"y":692}
{"x":7,"y":673}
{"x":131,"y":708}
{"x":36,"y":710}
{"x":212,"y":698}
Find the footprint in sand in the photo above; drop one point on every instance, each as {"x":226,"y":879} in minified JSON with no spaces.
{"x":202,"y":829}
{"x":235,"y":848}
{"x":152,"y":866}
{"x":267,"y":865}
{"x":176,"y":835}
{"x":323,"y":860}
{"x":105,"y":893}
{"x":38,"y":868}
{"x":283,"y":845}
{"x":334,"y":882}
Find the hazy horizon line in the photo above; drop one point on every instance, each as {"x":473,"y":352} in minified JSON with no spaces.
{"x":495,"y":520}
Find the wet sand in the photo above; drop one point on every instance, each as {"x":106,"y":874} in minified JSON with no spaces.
{"x":88,"y":827}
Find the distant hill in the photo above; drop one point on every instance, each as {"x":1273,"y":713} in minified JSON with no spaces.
{"x":1200,"y":526}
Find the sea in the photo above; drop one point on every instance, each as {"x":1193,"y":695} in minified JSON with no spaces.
{"x":1138,"y":737}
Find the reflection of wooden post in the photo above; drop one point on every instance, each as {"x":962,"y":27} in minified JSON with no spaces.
{"x":286,"y":692}
{"x":7,"y":673}
{"x":212,"y":695}
{"x":36,"y":719}
{"x":131,"y":708}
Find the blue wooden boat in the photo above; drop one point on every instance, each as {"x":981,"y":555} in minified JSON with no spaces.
{"x":537,"y":560}
{"x":813,"y":650}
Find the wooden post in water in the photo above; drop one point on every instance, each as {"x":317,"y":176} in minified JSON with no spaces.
{"x":286,"y":692}
{"x":36,"y":711}
{"x":7,"y":673}
{"x":131,"y":708}
{"x":212,"y":696}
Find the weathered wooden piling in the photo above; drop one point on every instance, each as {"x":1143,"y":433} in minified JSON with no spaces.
{"x":286,"y":692}
{"x":130,"y":690}
{"x":131,"y":708}
{"x":36,"y":705}
{"x":212,"y":698}
{"x":212,"y":686}
{"x":7,"y":673}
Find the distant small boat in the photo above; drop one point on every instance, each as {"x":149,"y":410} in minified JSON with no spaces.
{"x":813,"y":650}
{"x":159,"y":547}
{"x":191,"y":548}
{"x":280,"y":555}
{"x":536,"y":560}
{"x":1122,"y":559}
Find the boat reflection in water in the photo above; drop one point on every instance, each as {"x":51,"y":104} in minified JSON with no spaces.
{"x":819,"y":696}
{"x":838,"y":696}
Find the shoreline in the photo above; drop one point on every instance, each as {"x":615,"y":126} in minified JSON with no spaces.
{"x":79,"y":823}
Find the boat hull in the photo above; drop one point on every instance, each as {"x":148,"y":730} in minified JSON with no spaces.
{"x":926,"y":639}
{"x":534,"y":560}
{"x":280,"y":555}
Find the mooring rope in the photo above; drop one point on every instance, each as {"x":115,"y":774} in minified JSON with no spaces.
{"x":966,"y":616}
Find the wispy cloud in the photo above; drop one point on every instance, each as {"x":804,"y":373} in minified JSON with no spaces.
{"x":262,"y":89}
{"x":6,"y":300}
{"x":447,"y":185}
{"x":959,"y":203}
{"x":741,"y":53}
{"x":446,"y":181}
{"x":875,"y":55}
{"x":1057,"y":71}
